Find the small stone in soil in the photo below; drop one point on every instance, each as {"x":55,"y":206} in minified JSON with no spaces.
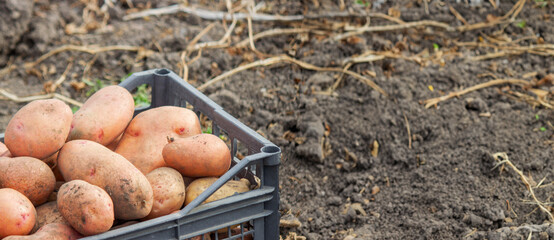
{"x":334,"y":201}
{"x":350,"y":215}
{"x":310,"y":151}
{"x":476,"y":104}
{"x":364,"y":163}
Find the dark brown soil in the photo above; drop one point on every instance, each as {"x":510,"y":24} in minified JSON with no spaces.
{"x":442,"y":187}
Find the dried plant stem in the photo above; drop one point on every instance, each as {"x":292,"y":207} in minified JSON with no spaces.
{"x":502,"y":158}
{"x":531,"y":100}
{"x":342,"y":6}
{"x":457,"y":15}
{"x":278,"y":31}
{"x":433,"y":101}
{"x":250,"y":32}
{"x":185,"y":71}
{"x":200,"y":35}
{"x":284,"y":58}
{"x":61,"y":79}
{"x":339,"y":79}
{"x":220,"y":15}
{"x":370,"y":56}
{"x":507,"y":18}
{"x":223,"y":42}
{"x":395,"y":27}
{"x":7,"y":69}
{"x":15,"y":98}
{"x":539,"y":49}
{"x":408,"y":130}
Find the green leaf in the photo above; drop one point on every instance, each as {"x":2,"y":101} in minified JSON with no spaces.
{"x":74,"y":109}
{"x":207,"y":130}
{"x":541,"y":3}
{"x":94,"y":86}
{"x":364,"y":3}
{"x":537,"y":116}
{"x":521,"y":24}
{"x":142,"y":97}
{"x":436,"y":46}
{"x":543,"y":129}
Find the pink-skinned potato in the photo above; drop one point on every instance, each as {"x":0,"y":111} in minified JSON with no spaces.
{"x":202,"y":155}
{"x":52,"y":231}
{"x":30,"y":176}
{"x":104,"y":116}
{"x":39,"y":129}
{"x":17,"y":213}
{"x":147,"y":134}
{"x":94,"y":163}
{"x":86,"y":207}
{"x":169,"y":191}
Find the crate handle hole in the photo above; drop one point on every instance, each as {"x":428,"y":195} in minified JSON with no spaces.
{"x":162,"y":71}
{"x":271,"y":149}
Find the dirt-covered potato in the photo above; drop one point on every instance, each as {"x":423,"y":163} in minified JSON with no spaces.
{"x":228,"y":189}
{"x":202,"y":155}
{"x":86,"y":207}
{"x":104,"y":116}
{"x":92,"y":162}
{"x":30,"y":176}
{"x":169,"y":191}
{"x":39,"y":129}
{"x":52,"y":231}
{"x":17,"y":213}
{"x":48,"y":213}
{"x":147,"y":134}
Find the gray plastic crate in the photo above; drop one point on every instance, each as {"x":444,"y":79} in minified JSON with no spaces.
{"x":256,"y":212}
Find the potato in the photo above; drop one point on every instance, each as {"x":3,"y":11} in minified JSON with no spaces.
{"x":48,"y":213}
{"x":18,"y":215}
{"x":87,"y":208}
{"x":90,"y":161}
{"x":30,"y":176}
{"x":147,"y":134}
{"x":228,"y":189}
{"x":169,"y":191}
{"x":52,"y":231}
{"x":4,"y":152}
{"x":235,"y":230}
{"x":203,"y":155}
{"x":39,"y":129}
{"x":104,"y":116}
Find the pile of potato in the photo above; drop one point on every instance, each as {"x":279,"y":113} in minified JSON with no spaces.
{"x":65,"y":175}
